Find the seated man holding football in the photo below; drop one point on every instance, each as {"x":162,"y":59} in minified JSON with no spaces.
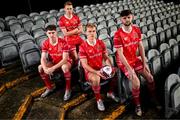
{"x":92,"y":53}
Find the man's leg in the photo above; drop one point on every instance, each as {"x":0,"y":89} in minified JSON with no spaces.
{"x":151,"y":85}
{"x":45,"y":78}
{"x":135,"y":89}
{"x":112,"y":86}
{"x":67,"y":75}
{"x":95,"y":82}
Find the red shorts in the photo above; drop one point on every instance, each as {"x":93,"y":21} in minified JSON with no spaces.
{"x":74,"y":42}
{"x":137,"y":66}
{"x":87,"y":72}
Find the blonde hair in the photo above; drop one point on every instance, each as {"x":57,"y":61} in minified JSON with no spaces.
{"x":90,"y":25}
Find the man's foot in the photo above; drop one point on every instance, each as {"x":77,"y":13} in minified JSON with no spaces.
{"x":100,"y":105}
{"x":112,"y":96}
{"x":138,"y":111}
{"x":67,"y":95}
{"x":47,"y":92}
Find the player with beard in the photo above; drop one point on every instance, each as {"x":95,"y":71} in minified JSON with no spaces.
{"x":127,"y":41}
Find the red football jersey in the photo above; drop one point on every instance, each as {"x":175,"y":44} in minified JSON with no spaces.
{"x":93,"y":54}
{"x":55,"y":52}
{"x":70,"y":24}
{"x":129,"y":42}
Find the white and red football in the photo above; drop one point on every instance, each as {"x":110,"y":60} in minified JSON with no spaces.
{"x":107,"y":71}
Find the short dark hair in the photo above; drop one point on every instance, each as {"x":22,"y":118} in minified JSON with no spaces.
{"x":50,"y":27}
{"x":67,"y":3}
{"x":125,"y":13}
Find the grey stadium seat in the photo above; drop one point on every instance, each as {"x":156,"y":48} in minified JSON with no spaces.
{"x":153,"y":42}
{"x":175,"y":49}
{"x":154,"y":58}
{"x":20,"y":32}
{"x":39,"y":20}
{"x":166,"y":54}
{"x":167,"y":30}
{"x":160,"y":34}
{"x":145,"y":43}
{"x":30,"y":56}
{"x":27,"y":24}
{"x":14,"y":25}
{"x":172,"y":96}
{"x":106,"y":39}
{"x":39,"y":40}
{"x":8,"y":50}
{"x":25,"y":39}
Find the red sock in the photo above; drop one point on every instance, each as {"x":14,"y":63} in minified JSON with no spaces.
{"x":45,"y":78}
{"x":96,"y":90}
{"x":67,"y":76}
{"x":135,"y":94}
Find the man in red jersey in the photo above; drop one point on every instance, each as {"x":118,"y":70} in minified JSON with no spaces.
{"x":127,"y":40}
{"x":58,"y":52}
{"x":92,"y":52}
{"x":71,"y":27}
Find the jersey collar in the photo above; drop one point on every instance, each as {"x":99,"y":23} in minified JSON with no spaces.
{"x":125,"y":30}
{"x":91,"y":43}
{"x":68,"y":17}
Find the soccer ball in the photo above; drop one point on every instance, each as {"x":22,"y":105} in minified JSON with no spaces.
{"x":107,"y":71}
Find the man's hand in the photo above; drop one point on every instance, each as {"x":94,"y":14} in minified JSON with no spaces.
{"x":99,"y":74}
{"x":51,"y":70}
{"x":146,"y":68}
{"x":131,"y":73}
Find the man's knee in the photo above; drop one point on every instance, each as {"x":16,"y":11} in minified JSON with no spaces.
{"x":95,"y":79}
{"x":135,"y":82}
{"x":65,"y":68}
{"x":40,"y":69}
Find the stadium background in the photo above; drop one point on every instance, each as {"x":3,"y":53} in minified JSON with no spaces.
{"x":27,"y":6}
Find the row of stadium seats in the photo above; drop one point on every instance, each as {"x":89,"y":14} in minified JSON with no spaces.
{"x":171,"y":94}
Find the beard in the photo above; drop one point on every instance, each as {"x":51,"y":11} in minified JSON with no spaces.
{"x":127,"y":24}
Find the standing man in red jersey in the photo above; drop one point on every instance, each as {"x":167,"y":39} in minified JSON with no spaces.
{"x":127,"y":40}
{"x":92,"y":52}
{"x":59,"y":60}
{"x":71,"y":27}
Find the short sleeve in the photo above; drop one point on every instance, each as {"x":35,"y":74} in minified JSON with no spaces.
{"x":82,"y":52}
{"x":65,"y":47}
{"x":44,"y":46}
{"x":117,"y":40}
{"x":61,"y":23}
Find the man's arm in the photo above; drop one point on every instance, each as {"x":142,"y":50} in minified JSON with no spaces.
{"x":141,"y":52}
{"x":89,"y":68}
{"x":80,"y":29}
{"x":43,"y":61}
{"x":63,"y":61}
{"x":125,"y":63}
{"x":69,"y":33}
{"x":107,"y":59}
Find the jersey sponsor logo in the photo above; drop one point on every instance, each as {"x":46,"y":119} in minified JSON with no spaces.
{"x":95,"y":55}
{"x":131,"y":43}
{"x":135,"y":35}
{"x":56,"y":54}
